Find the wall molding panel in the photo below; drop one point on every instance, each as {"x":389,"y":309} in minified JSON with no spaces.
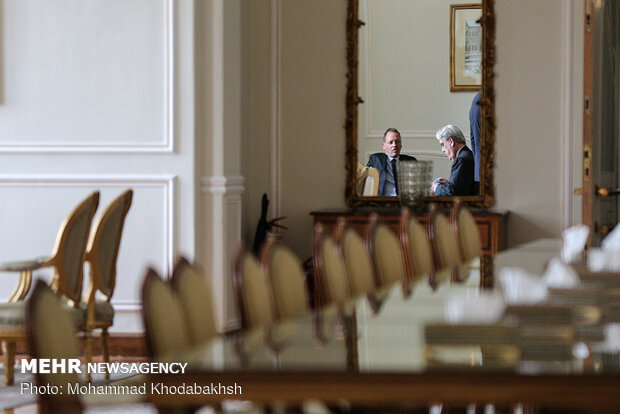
{"x":166,"y":182}
{"x":224,"y":194}
{"x":165,"y":144}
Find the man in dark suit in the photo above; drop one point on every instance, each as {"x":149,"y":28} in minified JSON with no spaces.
{"x":461,"y":180}
{"x":474,"y":134}
{"x":387,"y":162}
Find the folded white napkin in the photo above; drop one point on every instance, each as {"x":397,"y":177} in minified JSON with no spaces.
{"x":612,"y":339}
{"x":612,"y":241}
{"x":607,"y":258}
{"x":601,"y":260}
{"x":483,"y":307}
{"x":574,"y":241}
{"x":560,"y":275}
{"x":521,"y":287}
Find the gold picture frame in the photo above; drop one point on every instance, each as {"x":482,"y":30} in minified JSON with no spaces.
{"x":465,"y":47}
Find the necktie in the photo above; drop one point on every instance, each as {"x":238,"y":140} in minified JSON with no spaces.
{"x":395,"y":173}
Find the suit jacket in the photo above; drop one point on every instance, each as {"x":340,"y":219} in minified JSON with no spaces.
{"x":461,"y":176}
{"x":474,"y":133}
{"x":379,"y":160}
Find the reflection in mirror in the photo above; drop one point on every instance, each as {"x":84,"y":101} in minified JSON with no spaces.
{"x":399,"y":77}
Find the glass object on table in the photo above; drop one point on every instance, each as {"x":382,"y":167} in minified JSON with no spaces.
{"x":414,"y":181}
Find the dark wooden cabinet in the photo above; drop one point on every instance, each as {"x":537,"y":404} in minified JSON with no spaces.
{"x":492,"y":225}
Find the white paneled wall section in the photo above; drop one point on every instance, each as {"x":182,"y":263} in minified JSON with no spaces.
{"x":99,"y":94}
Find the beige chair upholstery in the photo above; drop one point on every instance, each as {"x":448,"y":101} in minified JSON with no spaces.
{"x":102,"y":255}
{"x":51,"y":334}
{"x":254,"y":295}
{"x":67,"y":261}
{"x":358,"y":263}
{"x":467,"y":232}
{"x":416,"y":247}
{"x":164,"y":322}
{"x":287,"y":279}
{"x":386,"y":253}
{"x":330,"y":272}
{"x":196,"y":298}
{"x":445,"y":246}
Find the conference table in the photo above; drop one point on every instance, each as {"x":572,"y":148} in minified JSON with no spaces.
{"x":421,"y":344}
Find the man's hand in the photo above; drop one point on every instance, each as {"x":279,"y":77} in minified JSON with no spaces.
{"x":433,"y":187}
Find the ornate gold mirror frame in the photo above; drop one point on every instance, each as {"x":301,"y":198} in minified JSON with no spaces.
{"x":487,"y":190}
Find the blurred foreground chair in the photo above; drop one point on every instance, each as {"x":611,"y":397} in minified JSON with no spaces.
{"x":166,"y":328}
{"x":254,"y":295}
{"x":162,"y":313}
{"x":358,"y":264}
{"x":196,"y":300}
{"x":416,"y":247}
{"x":386,"y":253}
{"x":101,"y":256}
{"x":67,"y":261}
{"x":445,"y":246}
{"x":287,"y":279}
{"x":330,"y":271}
{"x":467,"y":232}
{"x":51,"y":334}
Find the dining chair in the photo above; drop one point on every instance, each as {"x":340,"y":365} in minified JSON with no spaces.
{"x":467,"y":232}
{"x":357,"y":261}
{"x":51,"y":334}
{"x":367,"y":180}
{"x":101,"y":255}
{"x":416,"y":247}
{"x":445,"y":246}
{"x":287,"y":278}
{"x":67,"y":261}
{"x":196,"y":299}
{"x":164,"y":322}
{"x":254,"y":295}
{"x":385,"y":252}
{"x":330,"y":272}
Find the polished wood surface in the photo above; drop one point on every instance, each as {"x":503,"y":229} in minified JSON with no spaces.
{"x":492,"y":225}
{"x":391,"y":349}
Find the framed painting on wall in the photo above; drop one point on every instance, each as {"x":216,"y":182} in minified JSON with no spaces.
{"x":465,"y":47}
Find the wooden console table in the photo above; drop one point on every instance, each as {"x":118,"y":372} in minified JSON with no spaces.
{"x":492,"y":225}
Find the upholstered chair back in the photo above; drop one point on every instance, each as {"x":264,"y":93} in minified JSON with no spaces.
{"x":196,"y":299}
{"x":164,"y":322}
{"x":254,"y":295}
{"x":358,"y":263}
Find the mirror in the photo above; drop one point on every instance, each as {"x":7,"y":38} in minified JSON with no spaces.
{"x":406,"y":94}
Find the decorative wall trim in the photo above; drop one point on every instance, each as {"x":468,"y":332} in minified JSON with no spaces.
{"x":166,"y":145}
{"x":568,"y":113}
{"x":232,"y":185}
{"x":276,"y":70}
{"x":167,"y":182}
{"x":410,"y":135}
{"x":428,"y":154}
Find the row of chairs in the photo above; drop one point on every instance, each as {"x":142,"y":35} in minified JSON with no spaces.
{"x":178,"y":313}
{"x":348,"y":265}
{"x":73,"y":247}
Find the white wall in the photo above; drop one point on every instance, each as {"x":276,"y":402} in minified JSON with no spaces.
{"x":531,"y":116}
{"x":404,"y":78}
{"x":98,"y":95}
{"x":293,"y":144}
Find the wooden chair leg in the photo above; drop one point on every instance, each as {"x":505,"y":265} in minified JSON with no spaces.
{"x":8,"y":352}
{"x":88,"y":352}
{"x":104,"y":348}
